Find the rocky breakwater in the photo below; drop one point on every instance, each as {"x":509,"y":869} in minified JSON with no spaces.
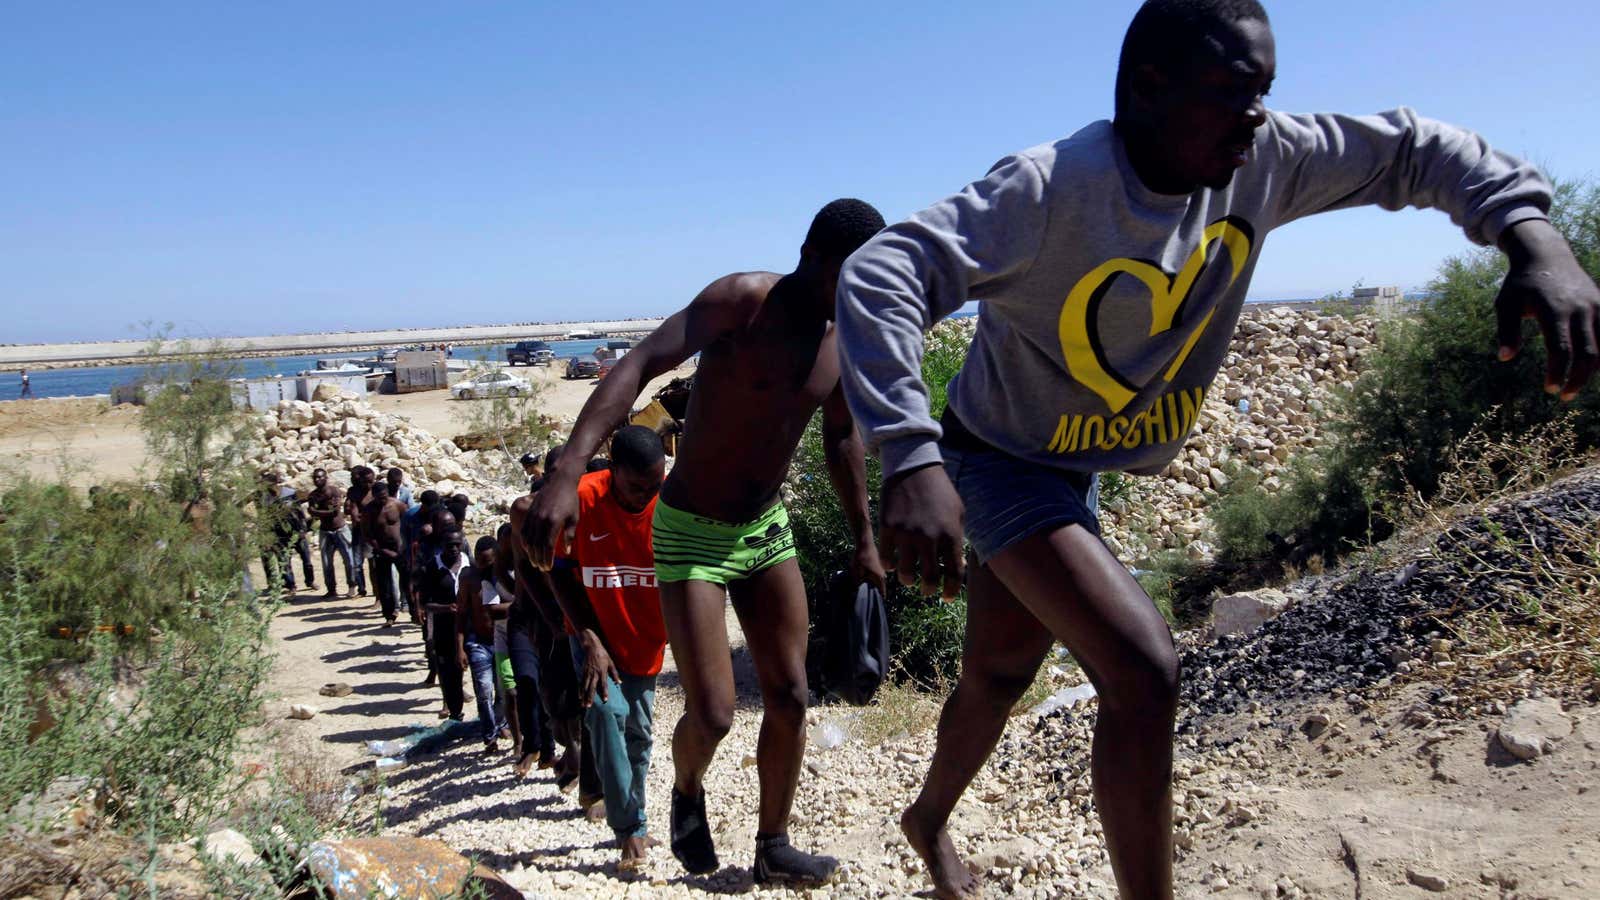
{"x":1267,"y":406}
{"x":339,"y":432}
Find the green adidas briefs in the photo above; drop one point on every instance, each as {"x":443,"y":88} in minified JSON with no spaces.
{"x":694,"y":548}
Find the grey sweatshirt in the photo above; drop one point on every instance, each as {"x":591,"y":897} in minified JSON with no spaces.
{"x":1105,"y":308}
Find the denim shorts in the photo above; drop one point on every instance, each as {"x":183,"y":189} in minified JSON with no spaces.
{"x":1008,"y":499}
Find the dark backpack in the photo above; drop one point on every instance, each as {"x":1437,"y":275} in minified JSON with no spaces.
{"x":855,"y":639}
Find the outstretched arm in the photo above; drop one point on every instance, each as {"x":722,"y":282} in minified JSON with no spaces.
{"x":719,"y":309}
{"x":847,"y":469}
{"x":1397,"y":159}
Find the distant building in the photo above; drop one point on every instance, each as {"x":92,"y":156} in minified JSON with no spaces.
{"x":1387,"y":300}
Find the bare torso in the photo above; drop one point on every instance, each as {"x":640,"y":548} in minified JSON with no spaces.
{"x":754,"y":393}
{"x":383,"y":526}
{"x":326,"y":504}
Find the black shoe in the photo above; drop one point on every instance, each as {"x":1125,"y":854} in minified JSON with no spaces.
{"x":777,"y":861}
{"x":691,"y":834}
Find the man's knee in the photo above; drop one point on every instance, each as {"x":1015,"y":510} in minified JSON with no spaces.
{"x":712,"y":720}
{"x":786,"y":703}
{"x":1144,"y":682}
{"x":1003,"y":686}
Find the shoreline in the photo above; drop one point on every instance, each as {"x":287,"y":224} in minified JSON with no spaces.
{"x":44,"y":357}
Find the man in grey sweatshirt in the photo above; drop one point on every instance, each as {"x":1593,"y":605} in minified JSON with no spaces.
{"x":1111,"y":267}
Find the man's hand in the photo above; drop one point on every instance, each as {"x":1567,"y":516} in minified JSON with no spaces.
{"x":461,"y":660}
{"x":867,"y":566}
{"x":553,"y":516}
{"x":598,"y":671}
{"x":922,"y":531}
{"x":1546,"y":283}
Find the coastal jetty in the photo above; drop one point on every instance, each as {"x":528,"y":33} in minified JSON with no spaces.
{"x":109,"y":352}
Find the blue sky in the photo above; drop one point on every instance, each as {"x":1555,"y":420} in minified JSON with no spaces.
{"x":262,"y":168}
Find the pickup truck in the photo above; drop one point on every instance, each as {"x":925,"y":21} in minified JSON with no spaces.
{"x":530,"y":353}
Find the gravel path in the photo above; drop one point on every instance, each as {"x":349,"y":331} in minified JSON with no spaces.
{"x":1393,"y":787}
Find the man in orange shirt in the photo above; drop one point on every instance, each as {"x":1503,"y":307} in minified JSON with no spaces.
{"x":616,"y":611}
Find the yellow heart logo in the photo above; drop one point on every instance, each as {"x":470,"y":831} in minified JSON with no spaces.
{"x":1080,"y":344}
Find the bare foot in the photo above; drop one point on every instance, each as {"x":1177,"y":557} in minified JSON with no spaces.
{"x":524,"y":766}
{"x":634,"y":851}
{"x":952,"y":880}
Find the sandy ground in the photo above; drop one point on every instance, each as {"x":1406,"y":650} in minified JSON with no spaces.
{"x":91,"y":440}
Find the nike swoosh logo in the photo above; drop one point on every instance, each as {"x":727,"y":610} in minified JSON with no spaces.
{"x":599,"y":537}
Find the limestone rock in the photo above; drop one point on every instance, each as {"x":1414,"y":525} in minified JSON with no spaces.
{"x":1532,"y":727}
{"x":1245,"y":612}
{"x":1426,"y":880}
{"x":228,"y":845}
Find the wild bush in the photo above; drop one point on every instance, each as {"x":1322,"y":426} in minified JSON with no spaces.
{"x":508,"y":426}
{"x":925,"y":636}
{"x":1433,"y":380}
{"x":134,"y":654}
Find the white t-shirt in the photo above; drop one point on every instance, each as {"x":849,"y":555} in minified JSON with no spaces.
{"x":491,"y":596}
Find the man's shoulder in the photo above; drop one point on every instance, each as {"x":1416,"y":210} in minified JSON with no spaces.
{"x":1090,"y":147}
{"x":737,"y":293}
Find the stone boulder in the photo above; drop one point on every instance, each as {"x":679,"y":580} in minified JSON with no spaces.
{"x":1245,"y":612}
{"x":401,"y":867}
{"x":228,"y":845}
{"x":326,"y":391}
{"x":1533,"y":727}
{"x":295,"y":414}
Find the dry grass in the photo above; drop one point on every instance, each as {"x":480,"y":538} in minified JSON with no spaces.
{"x":1553,"y":593}
{"x":905,"y":708}
{"x":313,"y":778}
{"x":32,"y":866}
{"x":901,"y":709}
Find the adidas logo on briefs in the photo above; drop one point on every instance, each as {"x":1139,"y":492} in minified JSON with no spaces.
{"x":619,"y":576}
{"x":775,"y":532}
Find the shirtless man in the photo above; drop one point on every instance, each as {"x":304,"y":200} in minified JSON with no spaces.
{"x":355,"y":499}
{"x":381,"y":516}
{"x":1112,"y":266}
{"x":325,"y":503}
{"x":768,"y":361}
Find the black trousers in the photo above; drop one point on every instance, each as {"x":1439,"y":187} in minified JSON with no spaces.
{"x":384,"y":586}
{"x":449,"y":665}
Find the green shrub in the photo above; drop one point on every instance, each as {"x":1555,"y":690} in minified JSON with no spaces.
{"x":1433,"y":380}
{"x":150,"y":715}
{"x":925,"y":639}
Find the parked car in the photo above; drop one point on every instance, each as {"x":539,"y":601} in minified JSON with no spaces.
{"x":578,"y":367}
{"x":493,"y":384}
{"x":530,"y":353}
{"x":606,"y":365}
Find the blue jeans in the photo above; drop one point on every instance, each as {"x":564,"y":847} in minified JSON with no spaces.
{"x":362,"y":552}
{"x":484,"y":684}
{"x":1008,"y":499}
{"x":619,"y":729}
{"x":332,"y":542}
